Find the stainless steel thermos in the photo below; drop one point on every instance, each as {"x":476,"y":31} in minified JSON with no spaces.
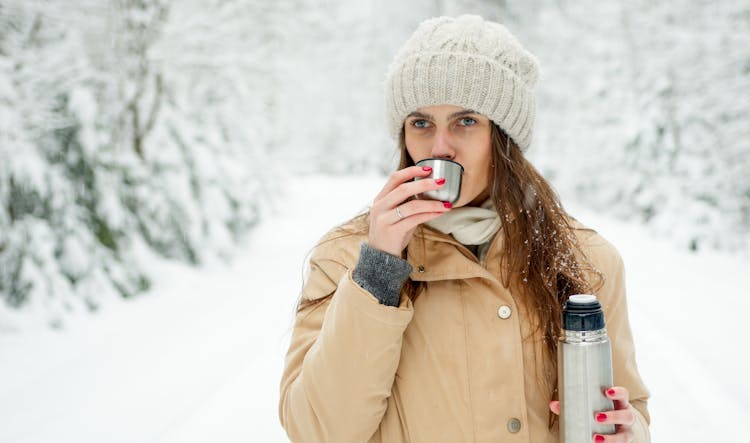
{"x":584,"y":362}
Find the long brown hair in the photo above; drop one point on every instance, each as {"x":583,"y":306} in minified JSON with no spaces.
{"x":541,"y":258}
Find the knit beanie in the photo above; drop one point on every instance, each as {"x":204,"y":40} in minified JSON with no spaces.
{"x":469,"y":62}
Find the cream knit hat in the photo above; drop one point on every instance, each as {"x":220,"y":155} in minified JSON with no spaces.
{"x":468,"y":62}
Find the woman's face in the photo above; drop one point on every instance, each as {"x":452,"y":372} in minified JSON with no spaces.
{"x":458,"y":134}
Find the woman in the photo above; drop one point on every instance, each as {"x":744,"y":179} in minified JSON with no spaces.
{"x":426,"y":321}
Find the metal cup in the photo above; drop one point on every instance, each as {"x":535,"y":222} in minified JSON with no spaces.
{"x":450,"y":171}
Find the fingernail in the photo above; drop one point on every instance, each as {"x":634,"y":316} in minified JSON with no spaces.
{"x":440,"y":181}
{"x":601,"y":417}
{"x":448,"y":205}
{"x":611,"y":392}
{"x":599,"y":439}
{"x":427,"y":168}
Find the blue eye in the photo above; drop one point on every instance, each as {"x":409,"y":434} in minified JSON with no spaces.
{"x":420,"y":123}
{"x":468,"y":121}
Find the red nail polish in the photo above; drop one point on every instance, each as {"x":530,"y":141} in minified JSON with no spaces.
{"x":599,"y":439}
{"x":448,"y":205}
{"x":611,"y":392}
{"x":601,"y":417}
{"x":440,"y":181}
{"x":427,"y":168}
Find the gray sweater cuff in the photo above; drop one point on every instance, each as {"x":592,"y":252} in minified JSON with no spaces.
{"x":381,"y":274}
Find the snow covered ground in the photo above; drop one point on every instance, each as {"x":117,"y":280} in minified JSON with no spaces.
{"x":199,"y":358}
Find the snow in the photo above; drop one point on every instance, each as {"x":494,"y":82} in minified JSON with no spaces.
{"x":629,"y":122}
{"x":199,"y":358}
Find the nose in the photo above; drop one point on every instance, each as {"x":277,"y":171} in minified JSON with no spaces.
{"x":442,"y":145}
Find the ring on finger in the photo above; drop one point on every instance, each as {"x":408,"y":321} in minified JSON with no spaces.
{"x":398,"y":212}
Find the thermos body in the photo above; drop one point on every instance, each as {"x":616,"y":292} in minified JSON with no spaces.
{"x":585,"y":371}
{"x":584,"y":362}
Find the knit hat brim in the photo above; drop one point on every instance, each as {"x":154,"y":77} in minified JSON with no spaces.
{"x":467,"y":81}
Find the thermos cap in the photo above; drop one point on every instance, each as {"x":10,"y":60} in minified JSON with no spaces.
{"x":451,"y":171}
{"x":583,"y":312}
{"x":583,"y":299}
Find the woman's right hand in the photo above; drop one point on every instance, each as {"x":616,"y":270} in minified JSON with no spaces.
{"x":391,"y":230}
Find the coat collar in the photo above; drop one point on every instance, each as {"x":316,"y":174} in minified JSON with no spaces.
{"x":435,"y":256}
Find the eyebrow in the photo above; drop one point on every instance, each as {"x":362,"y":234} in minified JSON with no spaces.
{"x":452,"y":116}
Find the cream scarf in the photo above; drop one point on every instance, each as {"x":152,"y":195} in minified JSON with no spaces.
{"x":469,"y":225}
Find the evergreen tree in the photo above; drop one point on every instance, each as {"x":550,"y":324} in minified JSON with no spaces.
{"x":118,"y":145}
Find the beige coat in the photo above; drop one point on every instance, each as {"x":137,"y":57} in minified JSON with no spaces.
{"x":448,"y":368}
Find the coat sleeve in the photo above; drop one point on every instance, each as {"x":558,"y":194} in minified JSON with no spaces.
{"x":342,"y":358}
{"x":625,"y":371}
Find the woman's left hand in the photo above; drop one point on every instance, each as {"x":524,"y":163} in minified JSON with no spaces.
{"x":622,"y":416}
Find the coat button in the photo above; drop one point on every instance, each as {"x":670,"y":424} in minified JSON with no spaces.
{"x":420,"y":269}
{"x":503,"y":312}
{"x":514,"y":425}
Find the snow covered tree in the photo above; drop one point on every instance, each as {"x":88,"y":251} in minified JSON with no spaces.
{"x":639,"y":115}
{"x":124,"y":136}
